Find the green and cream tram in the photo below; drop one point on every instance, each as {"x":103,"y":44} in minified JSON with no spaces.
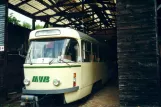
{"x":63,"y":61}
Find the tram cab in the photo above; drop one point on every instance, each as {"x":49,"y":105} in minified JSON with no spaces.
{"x":62,"y":61}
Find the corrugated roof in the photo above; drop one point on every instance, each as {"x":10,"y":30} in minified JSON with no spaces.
{"x":96,"y":14}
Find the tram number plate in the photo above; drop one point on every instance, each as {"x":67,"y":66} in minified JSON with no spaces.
{"x":1,"y":48}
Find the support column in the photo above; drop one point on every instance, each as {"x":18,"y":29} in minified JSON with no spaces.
{"x":3,"y":48}
{"x":46,"y":25}
{"x":33,"y":24}
{"x":137,"y":53}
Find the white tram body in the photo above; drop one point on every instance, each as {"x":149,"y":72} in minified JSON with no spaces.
{"x":63,"y":61}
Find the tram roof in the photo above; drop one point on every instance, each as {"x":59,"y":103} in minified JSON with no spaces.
{"x":95,"y":15}
{"x":64,"y":32}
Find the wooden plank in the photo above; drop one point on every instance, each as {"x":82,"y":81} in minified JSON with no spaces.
{"x":137,"y":53}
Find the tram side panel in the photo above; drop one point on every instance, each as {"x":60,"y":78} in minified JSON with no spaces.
{"x":87,"y":77}
{"x":91,"y":72}
{"x":74,"y":96}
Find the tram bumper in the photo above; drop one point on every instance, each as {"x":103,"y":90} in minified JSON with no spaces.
{"x":59,"y":91}
{"x":32,"y":95}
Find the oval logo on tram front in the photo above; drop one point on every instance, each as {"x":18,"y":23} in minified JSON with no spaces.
{"x":40,"y":79}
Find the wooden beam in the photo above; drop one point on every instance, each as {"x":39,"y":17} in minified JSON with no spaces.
{"x":20,"y":11}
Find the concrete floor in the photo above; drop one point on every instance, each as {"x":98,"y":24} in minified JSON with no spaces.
{"x":106,"y":97}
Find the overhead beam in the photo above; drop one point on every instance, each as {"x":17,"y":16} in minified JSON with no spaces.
{"x":107,"y":29}
{"x":74,"y":14}
{"x":20,"y":11}
{"x":109,"y":20}
{"x":56,"y":5}
{"x":86,"y":16}
{"x":85,"y":23}
{"x":71,"y":8}
{"x":47,"y":5}
{"x":87,"y":2}
{"x":63,"y":13}
{"x":61,"y":10}
{"x":57,"y":20}
{"x":96,"y":26}
{"x":99,"y":14}
{"x":73,"y":5}
{"x":22,"y":2}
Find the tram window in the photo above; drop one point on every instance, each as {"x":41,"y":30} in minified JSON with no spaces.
{"x":86,"y":51}
{"x":95,"y":52}
{"x":72,"y":51}
{"x":101,"y":52}
{"x":98,"y":54}
{"x":48,"y":49}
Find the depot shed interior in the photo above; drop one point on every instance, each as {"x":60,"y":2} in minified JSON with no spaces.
{"x":97,"y":18}
{"x":134,"y":44}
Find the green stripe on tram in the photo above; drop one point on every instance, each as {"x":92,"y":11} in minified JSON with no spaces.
{"x":52,"y":66}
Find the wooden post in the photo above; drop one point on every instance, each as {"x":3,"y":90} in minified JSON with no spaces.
{"x":33,"y":24}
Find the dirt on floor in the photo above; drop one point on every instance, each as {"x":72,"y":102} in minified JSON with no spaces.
{"x":106,"y":97}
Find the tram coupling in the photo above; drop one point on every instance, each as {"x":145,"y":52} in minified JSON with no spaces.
{"x":29,"y":100}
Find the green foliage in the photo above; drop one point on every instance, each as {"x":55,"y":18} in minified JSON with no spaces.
{"x":50,"y":26}
{"x":13,"y":20}
{"x":26,"y":25}
{"x":38,"y":27}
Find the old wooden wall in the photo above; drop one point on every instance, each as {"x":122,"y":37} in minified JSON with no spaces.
{"x":3,"y":17}
{"x":137,"y":53}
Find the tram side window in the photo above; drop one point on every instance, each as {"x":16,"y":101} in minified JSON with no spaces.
{"x":95,"y":53}
{"x":102,"y":54}
{"x":72,"y":51}
{"x":86,"y":51}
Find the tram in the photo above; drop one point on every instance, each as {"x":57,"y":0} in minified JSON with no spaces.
{"x":63,"y":61}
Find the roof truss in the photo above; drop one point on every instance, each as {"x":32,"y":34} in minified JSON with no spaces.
{"x":92,"y":14}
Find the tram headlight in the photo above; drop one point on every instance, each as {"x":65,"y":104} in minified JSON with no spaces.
{"x":56,"y":82}
{"x":26,"y":82}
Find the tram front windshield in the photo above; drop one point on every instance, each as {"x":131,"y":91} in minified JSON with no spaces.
{"x":44,"y":51}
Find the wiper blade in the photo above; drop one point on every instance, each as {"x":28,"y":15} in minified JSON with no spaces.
{"x":65,"y":62}
{"x":51,"y":61}
{"x":59,"y":60}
